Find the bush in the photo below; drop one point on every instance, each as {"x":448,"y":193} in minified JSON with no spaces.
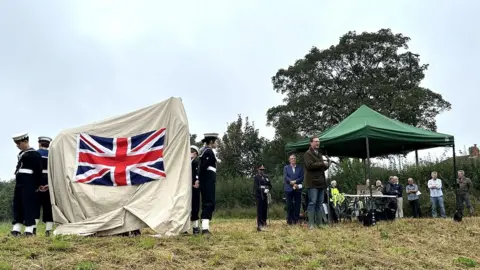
{"x":235,"y":195}
{"x":6,"y":197}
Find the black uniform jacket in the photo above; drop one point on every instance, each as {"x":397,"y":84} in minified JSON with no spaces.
{"x":260,"y":183}
{"x":29,"y":169}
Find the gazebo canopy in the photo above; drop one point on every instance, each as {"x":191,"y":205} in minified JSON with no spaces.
{"x":385,"y":136}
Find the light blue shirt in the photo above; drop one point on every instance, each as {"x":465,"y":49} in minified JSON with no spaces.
{"x":435,"y":187}
{"x":412,"y":196}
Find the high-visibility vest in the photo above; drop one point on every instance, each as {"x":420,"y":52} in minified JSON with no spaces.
{"x":336,"y":197}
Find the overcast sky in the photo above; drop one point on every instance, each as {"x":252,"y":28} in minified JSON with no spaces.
{"x":69,"y":63}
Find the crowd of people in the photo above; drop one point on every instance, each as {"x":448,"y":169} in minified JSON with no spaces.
{"x":31,"y":195}
{"x":312,"y":178}
{"x":393,"y":187}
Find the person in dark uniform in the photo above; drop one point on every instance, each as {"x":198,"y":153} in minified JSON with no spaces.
{"x":208,"y":177}
{"x":261,"y":187}
{"x":391,"y":207}
{"x":195,"y":190}
{"x":28,"y":176}
{"x":43,"y":193}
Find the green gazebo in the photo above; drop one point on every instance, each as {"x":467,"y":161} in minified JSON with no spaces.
{"x":367,"y":133}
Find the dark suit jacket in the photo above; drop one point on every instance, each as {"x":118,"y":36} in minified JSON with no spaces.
{"x":289,"y":175}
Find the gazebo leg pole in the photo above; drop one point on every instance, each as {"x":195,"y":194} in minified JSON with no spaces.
{"x":367,"y":160}
{"x":371,"y":210}
{"x":454,"y":164}
{"x":365,"y":168}
{"x":416,"y":158}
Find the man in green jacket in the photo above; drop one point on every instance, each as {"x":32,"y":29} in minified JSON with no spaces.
{"x":464,"y":185}
{"x":315,"y":181}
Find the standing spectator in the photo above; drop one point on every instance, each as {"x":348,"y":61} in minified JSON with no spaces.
{"x":436,"y":195}
{"x":464,"y":185}
{"x":315,"y":167}
{"x":391,"y":202}
{"x":293,"y":183}
{"x":413,"y":198}
{"x":399,"y":189}
{"x":379,"y":186}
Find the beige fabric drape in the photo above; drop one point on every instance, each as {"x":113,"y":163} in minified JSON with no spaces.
{"x":163,"y":205}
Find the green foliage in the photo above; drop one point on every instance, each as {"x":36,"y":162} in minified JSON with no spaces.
{"x":371,"y":68}
{"x":238,"y":192}
{"x":193,"y":141}
{"x":6,"y":196}
{"x":235,"y":195}
{"x":466,"y":262}
{"x":241,"y":149}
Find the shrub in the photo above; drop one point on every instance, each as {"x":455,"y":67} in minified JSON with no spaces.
{"x":235,"y":195}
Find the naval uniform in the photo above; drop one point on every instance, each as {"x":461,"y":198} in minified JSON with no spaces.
{"x":208,"y":178}
{"x":195,"y":192}
{"x":262,"y":187}
{"x":44,"y":196}
{"x":28,"y":176}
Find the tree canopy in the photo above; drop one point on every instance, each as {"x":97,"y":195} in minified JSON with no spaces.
{"x":241,"y":148}
{"x":371,"y":68}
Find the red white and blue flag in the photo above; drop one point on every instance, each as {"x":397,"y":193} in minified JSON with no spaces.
{"x":120,"y":161}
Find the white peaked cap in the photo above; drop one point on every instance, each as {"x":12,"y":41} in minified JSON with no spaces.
{"x":20,"y":136}
{"x":210,"y":135}
{"x":44,"y":138}
{"x":194,"y":147}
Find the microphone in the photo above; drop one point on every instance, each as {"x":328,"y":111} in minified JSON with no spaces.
{"x":330,"y":161}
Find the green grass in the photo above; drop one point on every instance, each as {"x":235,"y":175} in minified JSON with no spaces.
{"x":403,"y":244}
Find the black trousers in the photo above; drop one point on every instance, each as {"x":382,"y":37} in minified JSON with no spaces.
{"x":195,"y":204}
{"x":43,"y":203}
{"x":461,"y":200}
{"x":391,"y":209}
{"x":262,"y":210}
{"x":335,"y":212}
{"x":415,"y":205}
{"x":24,"y":205}
{"x":294,"y":202}
{"x":207,"y":191}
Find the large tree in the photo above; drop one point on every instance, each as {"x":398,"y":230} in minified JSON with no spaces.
{"x":375,"y":69}
{"x":240,"y":149}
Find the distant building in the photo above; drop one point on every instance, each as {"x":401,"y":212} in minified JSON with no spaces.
{"x":473,"y":151}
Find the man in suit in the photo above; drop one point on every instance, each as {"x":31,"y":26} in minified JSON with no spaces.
{"x":292,"y":185}
{"x":315,"y":167}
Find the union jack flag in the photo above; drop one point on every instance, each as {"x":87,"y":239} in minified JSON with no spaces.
{"x":120,"y":161}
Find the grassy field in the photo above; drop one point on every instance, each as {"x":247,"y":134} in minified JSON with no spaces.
{"x":403,"y":244}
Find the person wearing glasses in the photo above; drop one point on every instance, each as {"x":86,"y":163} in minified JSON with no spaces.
{"x":315,"y":181}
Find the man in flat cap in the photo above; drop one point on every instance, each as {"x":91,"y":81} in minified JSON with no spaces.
{"x":28,"y":176}
{"x":208,"y":178}
{"x":195,"y":190}
{"x":43,"y":194}
{"x":261,"y":187}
